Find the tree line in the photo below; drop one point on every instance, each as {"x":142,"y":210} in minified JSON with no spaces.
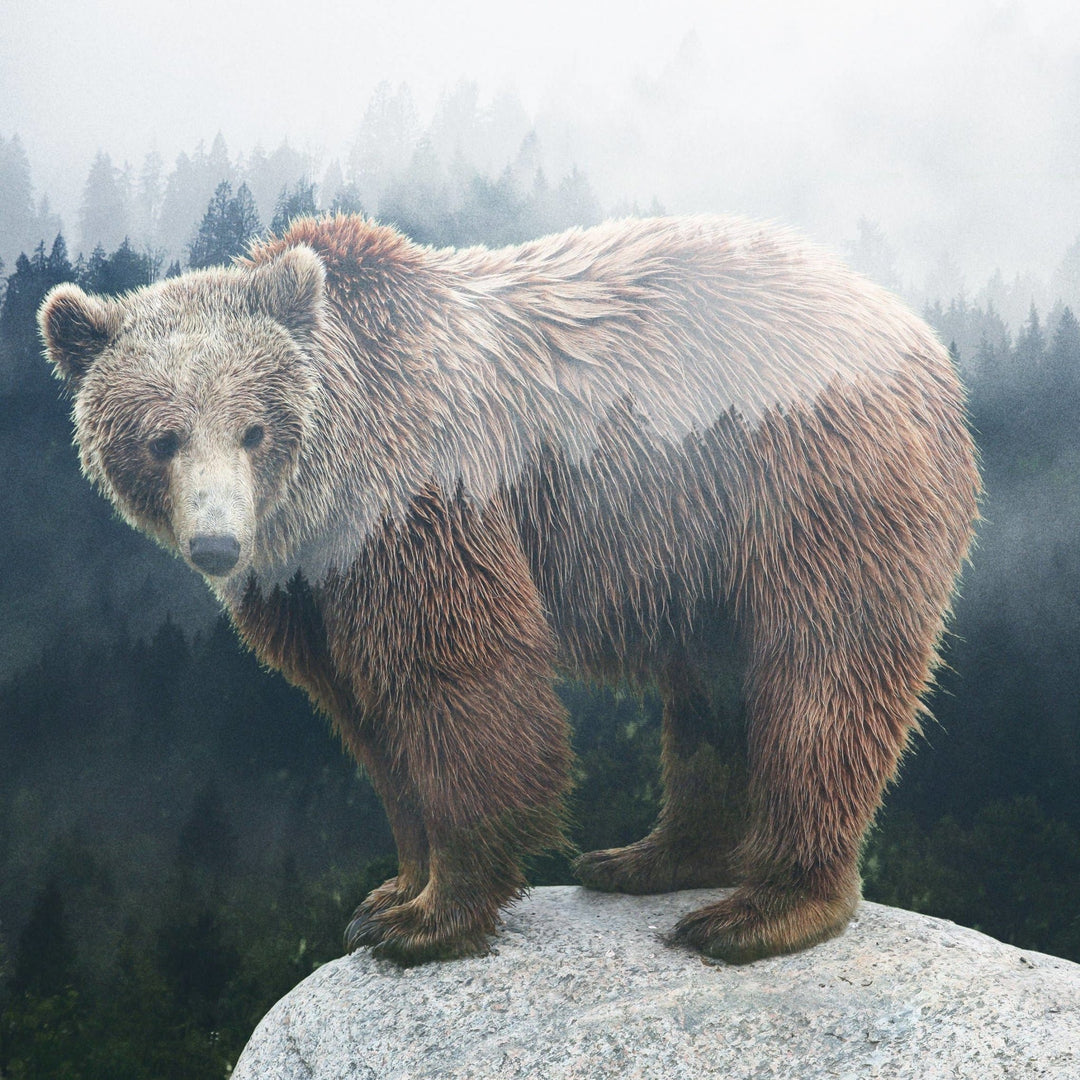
{"x":454,"y":178}
{"x":181,"y":841}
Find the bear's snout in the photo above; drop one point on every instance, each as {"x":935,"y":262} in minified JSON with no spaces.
{"x":215,"y":554}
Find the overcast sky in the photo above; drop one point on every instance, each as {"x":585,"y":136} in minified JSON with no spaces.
{"x":954,"y":125}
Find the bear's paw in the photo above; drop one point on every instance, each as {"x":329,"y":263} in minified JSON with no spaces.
{"x":653,"y":865}
{"x":765,"y":920}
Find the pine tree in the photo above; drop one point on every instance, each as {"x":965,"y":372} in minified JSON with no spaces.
{"x":945,"y":280}
{"x":26,"y":288}
{"x":872,"y":255}
{"x":1066,"y":282}
{"x":104,"y":213}
{"x":46,"y":222}
{"x":575,"y":202}
{"x":333,"y":183}
{"x":347,"y":201}
{"x":184,"y":199}
{"x":148,"y":199}
{"x":188,"y":188}
{"x":384,"y":144}
{"x":268,"y":175}
{"x":244,"y":218}
{"x":298,"y":202}
{"x":230,"y":223}
{"x":16,"y":200}
{"x":1065,"y":347}
{"x":120,"y":272}
{"x":44,"y":955}
{"x":1063,"y":357}
{"x":1031,"y":342}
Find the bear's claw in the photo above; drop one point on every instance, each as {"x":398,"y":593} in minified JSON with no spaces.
{"x":412,"y":932}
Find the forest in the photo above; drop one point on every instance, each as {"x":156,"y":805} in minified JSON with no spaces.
{"x":181,"y":838}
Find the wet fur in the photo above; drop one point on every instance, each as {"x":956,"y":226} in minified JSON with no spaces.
{"x":696,"y":453}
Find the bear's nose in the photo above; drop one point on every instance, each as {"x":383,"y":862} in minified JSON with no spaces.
{"x":215,"y":554}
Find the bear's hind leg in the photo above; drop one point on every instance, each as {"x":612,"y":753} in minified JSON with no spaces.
{"x":826,"y":733}
{"x":703,"y":814}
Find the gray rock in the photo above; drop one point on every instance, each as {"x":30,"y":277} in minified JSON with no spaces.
{"x":582,"y":986}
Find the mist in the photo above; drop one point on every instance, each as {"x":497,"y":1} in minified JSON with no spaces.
{"x":952,"y":128}
{"x":181,"y":838}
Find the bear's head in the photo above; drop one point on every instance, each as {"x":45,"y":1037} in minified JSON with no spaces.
{"x":194,"y":399}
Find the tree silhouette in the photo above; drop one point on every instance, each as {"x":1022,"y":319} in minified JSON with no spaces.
{"x":104,"y":215}
{"x":26,"y":288}
{"x":113,"y":274}
{"x":871,"y":254}
{"x":17,"y":224}
{"x":298,"y":201}
{"x":231,"y":222}
{"x":44,"y":955}
{"x":1031,"y":341}
{"x":268,"y":175}
{"x":384,"y":144}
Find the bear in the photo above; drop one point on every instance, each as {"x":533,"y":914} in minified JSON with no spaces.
{"x":692,"y":453}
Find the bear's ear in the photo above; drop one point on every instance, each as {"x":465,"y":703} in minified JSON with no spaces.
{"x":290,"y":290}
{"x":76,"y":328}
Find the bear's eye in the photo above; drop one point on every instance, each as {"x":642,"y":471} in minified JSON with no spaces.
{"x":253,"y":437}
{"x":164,"y":447}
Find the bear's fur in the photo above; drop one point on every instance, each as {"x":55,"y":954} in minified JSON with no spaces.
{"x":668,"y":451}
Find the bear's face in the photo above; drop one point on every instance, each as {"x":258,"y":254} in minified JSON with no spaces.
{"x":194,"y":398}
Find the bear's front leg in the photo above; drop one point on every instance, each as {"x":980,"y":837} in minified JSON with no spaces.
{"x":489,"y":761}
{"x":406,"y":819}
{"x":458,"y":658}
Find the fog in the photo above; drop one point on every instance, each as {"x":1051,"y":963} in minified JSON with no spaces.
{"x":180,"y":840}
{"x":953,"y":127}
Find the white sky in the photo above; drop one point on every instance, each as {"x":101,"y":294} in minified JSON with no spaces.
{"x":955,"y":125}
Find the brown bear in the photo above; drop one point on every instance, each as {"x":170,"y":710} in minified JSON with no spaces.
{"x":696,"y":453}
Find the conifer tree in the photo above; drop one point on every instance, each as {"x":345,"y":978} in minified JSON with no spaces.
{"x":1031,"y":341}
{"x":148,"y":199}
{"x":871,"y":254}
{"x":120,"y":272}
{"x":105,"y":209}
{"x":294,"y":203}
{"x":1065,"y":348}
{"x":384,"y":144}
{"x":26,"y":288}
{"x":16,"y":203}
{"x":229,"y":225}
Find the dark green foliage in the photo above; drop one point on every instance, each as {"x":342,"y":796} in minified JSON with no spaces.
{"x":44,"y":954}
{"x":295,"y":202}
{"x":1010,"y":871}
{"x":181,"y":840}
{"x":33,"y":277}
{"x":123,"y":270}
{"x":616,"y":798}
{"x":193,"y":886}
{"x":230,"y":224}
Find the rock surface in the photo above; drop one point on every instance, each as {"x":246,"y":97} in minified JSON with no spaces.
{"x":582,"y":986}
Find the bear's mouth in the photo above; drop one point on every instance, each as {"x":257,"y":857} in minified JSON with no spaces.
{"x":214,"y":553}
